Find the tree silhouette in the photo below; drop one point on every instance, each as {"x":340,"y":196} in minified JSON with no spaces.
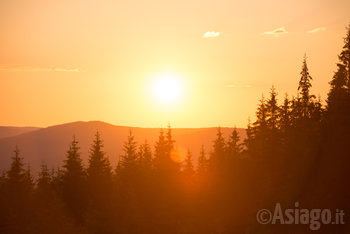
{"x":304,"y":89}
{"x":188,"y":168}
{"x":74,"y":182}
{"x":99,"y":166}
{"x":203,"y":162}
{"x":218,"y":156}
{"x":99,"y":187}
{"x":234,"y":147}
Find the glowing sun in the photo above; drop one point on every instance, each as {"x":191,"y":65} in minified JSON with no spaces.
{"x":167,"y":88}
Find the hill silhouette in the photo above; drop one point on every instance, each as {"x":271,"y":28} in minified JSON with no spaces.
{"x":7,"y":131}
{"x":50,"y":144}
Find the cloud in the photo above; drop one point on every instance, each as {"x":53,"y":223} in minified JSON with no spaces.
{"x":211,"y":34}
{"x":277,"y":32}
{"x":238,"y":86}
{"x":316,"y":30}
{"x":38,"y":69}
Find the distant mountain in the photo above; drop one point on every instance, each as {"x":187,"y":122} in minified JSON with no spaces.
{"x":14,"y":131}
{"x":50,"y":144}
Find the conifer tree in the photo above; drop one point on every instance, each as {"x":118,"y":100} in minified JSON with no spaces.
{"x":249,"y":140}
{"x":304,"y":89}
{"x":338,"y":102}
{"x":344,"y":57}
{"x":234,"y":146}
{"x":99,"y":169}
{"x":272,"y":110}
{"x":74,"y":181}
{"x":160,"y":151}
{"x":129,"y":158}
{"x":260,"y":124}
{"x":218,"y":156}
{"x":145,"y":155}
{"x":202,"y":162}
{"x":188,"y":168}
{"x":19,"y":181}
{"x":260,"y":129}
{"x":44,"y":179}
{"x":164,"y":148}
{"x":284,"y":113}
{"x":169,"y":140}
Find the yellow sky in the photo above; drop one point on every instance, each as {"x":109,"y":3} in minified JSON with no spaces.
{"x":63,"y":61}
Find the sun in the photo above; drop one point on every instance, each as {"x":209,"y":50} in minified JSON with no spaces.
{"x":167,"y":88}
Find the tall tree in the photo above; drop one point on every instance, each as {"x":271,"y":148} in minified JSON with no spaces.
{"x":99,"y":169}
{"x":272,"y":110}
{"x":18,"y":180}
{"x":160,"y":151}
{"x":260,"y":124}
{"x":338,"y":102}
{"x":169,"y":140}
{"x":164,"y":155}
{"x":284,"y":113}
{"x":17,"y":193}
{"x":188,"y":168}
{"x":203,"y":163}
{"x":44,"y":179}
{"x":234,"y":147}
{"x":74,"y":181}
{"x":129,"y":157}
{"x":218,"y":156}
{"x":304,"y":89}
{"x":259,"y":130}
{"x":145,"y":156}
{"x":344,"y":56}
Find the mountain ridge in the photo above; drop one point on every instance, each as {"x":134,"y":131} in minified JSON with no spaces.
{"x":49,"y":144}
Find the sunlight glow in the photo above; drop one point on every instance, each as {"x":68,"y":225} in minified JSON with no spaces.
{"x":167,"y":88}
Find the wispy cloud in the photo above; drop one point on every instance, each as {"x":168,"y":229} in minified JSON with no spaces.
{"x":211,"y":34}
{"x":238,"y":86}
{"x":316,"y":30}
{"x":277,"y":32}
{"x":37,"y":69}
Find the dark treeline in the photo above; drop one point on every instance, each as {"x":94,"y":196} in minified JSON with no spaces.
{"x":296,"y":151}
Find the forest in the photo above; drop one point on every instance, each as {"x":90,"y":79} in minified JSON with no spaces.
{"x":296,"y":150}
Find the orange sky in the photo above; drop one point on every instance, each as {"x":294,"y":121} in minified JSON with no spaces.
{"x":63,"y":61}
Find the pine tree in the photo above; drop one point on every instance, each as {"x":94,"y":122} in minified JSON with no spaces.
{"x":344,"y":57}
{"x":259,"y":130}
{"x":202,"y":162}
{"x":272,"y":110}
{"x":337,"y":96}
{"x":188,"y":168}
{"x":44,"y":179}
{"x":16,"y":174}
{"x":304,"y":89}
{"x":296,"y":110}
{"x":145,"y":156}
{"x":249,"y":140}
{"x":164,"y":151}
{"x":99,"y":169}
{"x":29,"y":179}
{"x":260,"y":125}
{"x":317,"y":110}
{"x":169,"y":140}
{"x":284,"y":113}
{"x":16,"y":199}
{"x":74,"y":181}
{"x":218,"y":156}
{"x":338,"y":102}
{"x":19,"y":181}
{"x":160,"y":151}
{"x":234,"y":146}
{"x":129,"y":158}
